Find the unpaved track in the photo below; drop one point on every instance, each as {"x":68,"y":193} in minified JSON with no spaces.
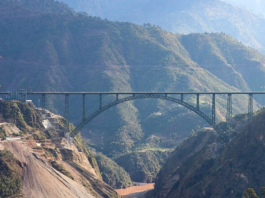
{"x":42,"y":181}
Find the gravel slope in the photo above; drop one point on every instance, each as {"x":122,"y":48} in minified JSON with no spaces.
{"x":41,"y":180}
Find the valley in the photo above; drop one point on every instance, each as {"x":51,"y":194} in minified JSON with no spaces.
{"x":165,"y":93}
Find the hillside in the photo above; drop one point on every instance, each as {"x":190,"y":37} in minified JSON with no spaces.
{"x":112,"y":173}
{"x":143,"y":166}
{"x":56,"y":51}
{"x":184,"y":16}
{"x":203,"y":167}
{"x":44,"y":162}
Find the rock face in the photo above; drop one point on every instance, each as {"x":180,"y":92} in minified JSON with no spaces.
{"x":203,"y":167}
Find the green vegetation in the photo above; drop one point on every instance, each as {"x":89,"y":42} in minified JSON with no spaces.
{"x":60,"y":168}
{"x":21,"y":114}
{"x":2,"y":132}
{"x":250,"y":193}
{"x":10,"y":174}
{"x":112,"y":173}
{"x":143,"y":166}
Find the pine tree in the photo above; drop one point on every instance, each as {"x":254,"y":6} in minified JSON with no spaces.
{"x":263,"y":192}
{"x":250,"y":193}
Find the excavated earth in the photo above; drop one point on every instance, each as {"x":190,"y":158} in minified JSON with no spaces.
{"x":42,"y":180}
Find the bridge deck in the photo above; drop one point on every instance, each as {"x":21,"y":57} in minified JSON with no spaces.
{"x":129,"y":93}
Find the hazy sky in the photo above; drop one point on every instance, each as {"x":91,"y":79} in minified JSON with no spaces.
{"x":257,"y":6}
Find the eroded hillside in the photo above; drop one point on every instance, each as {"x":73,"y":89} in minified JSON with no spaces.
{"x":43,"y":163}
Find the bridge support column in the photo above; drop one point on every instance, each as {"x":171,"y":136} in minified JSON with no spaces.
{"x":250,"y":106}
{"x":229,"y":107}
{"x":213,"y":110}
{"x":84,"y":108}
{"x":198,"y":101}
{"x":100,"y":101}
{"x":43,"y":101}
{"x":67,"y":113}
{"x":182,"y":97}
{"x":117,"y":96}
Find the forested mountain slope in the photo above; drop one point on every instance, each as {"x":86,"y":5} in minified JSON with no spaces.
{"x":50,"y":51}
{"x":182,"y":16}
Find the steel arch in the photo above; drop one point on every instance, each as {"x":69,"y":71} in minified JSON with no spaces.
{"x":163,"y":97}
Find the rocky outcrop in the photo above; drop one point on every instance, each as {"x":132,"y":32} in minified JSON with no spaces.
{"x":202,"y":166}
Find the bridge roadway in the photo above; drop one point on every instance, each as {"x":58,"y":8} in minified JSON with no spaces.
{"x":22,"y":95}
{"x":130,"y":93}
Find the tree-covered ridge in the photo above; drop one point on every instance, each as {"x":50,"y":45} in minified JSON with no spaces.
{"x":39,"y":6}
{"x":183,"y":16}
{"x":113,"y":174}
{"x":23,"y":115}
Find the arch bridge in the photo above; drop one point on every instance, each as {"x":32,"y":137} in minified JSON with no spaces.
{"x":129,"y":96}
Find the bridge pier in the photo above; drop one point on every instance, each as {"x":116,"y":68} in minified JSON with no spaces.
{"x":43,"y":102}
{"x":250,"y":106}
{"x":67,"y":113}
{"x":100,"y":101}
{"x":213,"y":110}
{"x":84,"y":108}
{"x":182,"y":97}
{"x":198,"y":101}
{"x":229,"y":107}
{"x":117,"y":97}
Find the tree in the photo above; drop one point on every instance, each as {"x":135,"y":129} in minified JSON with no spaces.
{"x":250,"y":193}
{"x":263,"y":192}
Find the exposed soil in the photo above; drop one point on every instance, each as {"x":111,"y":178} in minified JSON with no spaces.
{"x":42,"y":180}
{"x":135,"y":191}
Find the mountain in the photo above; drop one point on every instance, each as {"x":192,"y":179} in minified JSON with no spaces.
{"x":202,"y":166}
{"x":182,"y":16}
{"x":55,"y":51}
{"x":256,"y":6}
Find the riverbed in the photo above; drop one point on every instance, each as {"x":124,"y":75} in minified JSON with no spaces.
{"x":136,"y":191}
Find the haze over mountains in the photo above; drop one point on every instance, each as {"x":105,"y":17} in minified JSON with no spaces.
{"x":49,"y":47}
{"x":184,"y":16}
{"x":256,"y":6}
{"x":58,"y":50}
